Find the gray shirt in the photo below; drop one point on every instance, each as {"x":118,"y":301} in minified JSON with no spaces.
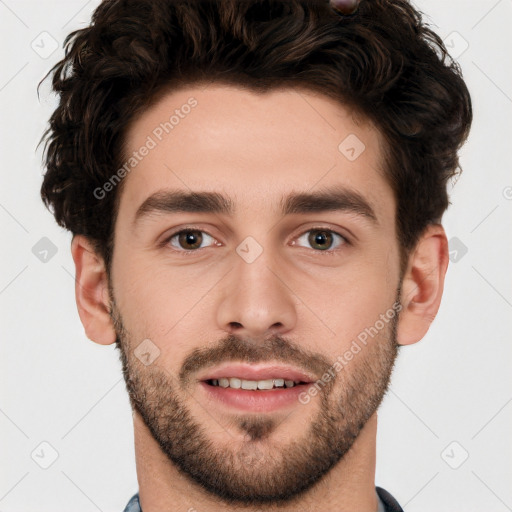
{"x":386,"y":503}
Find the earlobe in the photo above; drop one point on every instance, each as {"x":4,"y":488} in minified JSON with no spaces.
{"x":91,"y":292}
{"x":422,"y":286}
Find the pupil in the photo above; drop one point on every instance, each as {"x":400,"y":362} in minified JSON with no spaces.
{"x":320,"y":239}
{"x":190,"y":238}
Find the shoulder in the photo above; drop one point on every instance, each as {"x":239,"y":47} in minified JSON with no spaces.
{"x":133,"y":504}
{"x":390,"y":503}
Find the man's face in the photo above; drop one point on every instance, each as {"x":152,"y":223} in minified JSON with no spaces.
{"x":260,"y":296}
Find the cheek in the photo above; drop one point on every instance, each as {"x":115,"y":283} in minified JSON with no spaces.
{"x":354,"y":299}
{"x":139,"y":293}
{"x":161,"y":301}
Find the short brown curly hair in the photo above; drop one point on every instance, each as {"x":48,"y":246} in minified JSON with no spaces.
{"x":382,"y":61}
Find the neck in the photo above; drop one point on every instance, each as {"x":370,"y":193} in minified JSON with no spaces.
{"x":349,"y":486}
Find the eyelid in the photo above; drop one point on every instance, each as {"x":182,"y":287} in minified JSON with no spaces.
{"x":316,"y":227}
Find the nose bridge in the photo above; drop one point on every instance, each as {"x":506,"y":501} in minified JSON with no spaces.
{"x":256,"y":299}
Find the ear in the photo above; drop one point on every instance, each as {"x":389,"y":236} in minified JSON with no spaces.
{"x":91,"y":292}
{"x":422,"y":286}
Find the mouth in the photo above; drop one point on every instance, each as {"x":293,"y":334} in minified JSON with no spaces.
{"x":253,"y":385}
{"x":255,"y":388}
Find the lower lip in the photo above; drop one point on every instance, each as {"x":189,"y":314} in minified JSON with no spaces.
{"x":256,"y":401}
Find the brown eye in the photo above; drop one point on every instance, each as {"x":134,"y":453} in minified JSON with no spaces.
{"x":323,"y":239}
{"x":320,"y":239}
{"x":189,"y":239}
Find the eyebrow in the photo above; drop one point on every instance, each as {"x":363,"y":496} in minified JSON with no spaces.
{"x":326,"y":200}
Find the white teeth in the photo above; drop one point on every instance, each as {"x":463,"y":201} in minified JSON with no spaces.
{"x":236,"y":383}
{"x":265,"y":384}
{"x":249,"y":384}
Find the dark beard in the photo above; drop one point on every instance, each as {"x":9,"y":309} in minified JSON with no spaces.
{"x":246,"y":472}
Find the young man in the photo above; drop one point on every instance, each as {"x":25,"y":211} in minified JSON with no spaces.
{"x":255,"y":191}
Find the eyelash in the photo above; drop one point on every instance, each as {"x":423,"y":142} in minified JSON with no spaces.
{"x":184,"y":252}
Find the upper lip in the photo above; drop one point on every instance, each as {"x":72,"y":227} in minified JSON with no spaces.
{"x":256,"y":372}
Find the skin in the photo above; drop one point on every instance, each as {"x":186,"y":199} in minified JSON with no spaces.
{"x":256,"y":149}
{"x":345,"y":6}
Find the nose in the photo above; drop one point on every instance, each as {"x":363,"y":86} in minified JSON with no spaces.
{"x":256,"y":300}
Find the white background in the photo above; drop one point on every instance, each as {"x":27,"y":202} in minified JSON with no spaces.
{"x":60,"y":388}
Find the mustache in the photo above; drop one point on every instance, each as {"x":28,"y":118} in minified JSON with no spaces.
{"x":233,"y":348}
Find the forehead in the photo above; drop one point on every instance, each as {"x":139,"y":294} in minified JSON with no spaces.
{"x":252,"y":147}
